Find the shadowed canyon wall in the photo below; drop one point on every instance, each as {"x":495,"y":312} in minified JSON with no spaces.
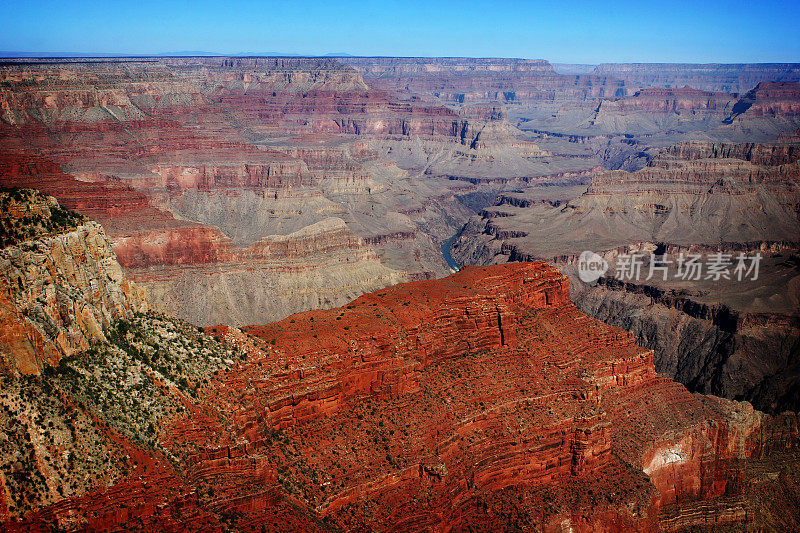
{"x":730,"y":338}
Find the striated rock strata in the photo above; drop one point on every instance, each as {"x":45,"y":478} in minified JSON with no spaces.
{"x":480,"y":401}
{"x":190,"y":162}
{"x":729,"y":78}
{"x":58,"y":289}
{"x":691,"y":193}
{"x":319,"y":266}
{"x":464,"y":79}
{"x":734,"y":338}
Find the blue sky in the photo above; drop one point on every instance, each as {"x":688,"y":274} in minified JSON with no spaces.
{"x":570,"y":31}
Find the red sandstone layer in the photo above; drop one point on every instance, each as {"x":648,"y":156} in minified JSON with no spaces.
{"x":676,"y":101}
{"x":481,"y":399}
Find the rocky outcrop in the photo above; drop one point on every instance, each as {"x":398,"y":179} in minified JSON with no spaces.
{"x":57,"y":294}
{"x":83,"y":435}
{"x":769,"y":99}
{"x":683,"y":100}
{"x":443,"y":333}
{"x":729,"y":337}
{"x":28,"y":214}
{"x":481,"y":400}
{"x":756,"y":153}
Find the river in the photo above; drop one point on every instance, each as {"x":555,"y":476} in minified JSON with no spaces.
{"x":446,"y":246}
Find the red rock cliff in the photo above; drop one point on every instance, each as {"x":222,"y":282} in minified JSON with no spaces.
{"x":480,"y":401}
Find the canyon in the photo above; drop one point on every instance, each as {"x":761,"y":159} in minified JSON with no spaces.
{"x":233,"y":169}
{"x":730,"y":337}
{"x":242,"y":189}
{"x":485,"y":399}
{"x":60,"y":286}
{"x":233,"y":296}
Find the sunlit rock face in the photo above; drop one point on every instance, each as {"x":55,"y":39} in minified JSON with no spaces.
{"x":479,"y":399}
{"x":248,"y":190}
{"x":60,"y":283}
{"x":224,"y":152}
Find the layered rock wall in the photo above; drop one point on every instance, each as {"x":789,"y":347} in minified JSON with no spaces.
{"x":729,"y":78}
{"x":482,"y":400}
{"x":468,"y":80}
{"x":57,"y":294}
{"x":197,"y":167}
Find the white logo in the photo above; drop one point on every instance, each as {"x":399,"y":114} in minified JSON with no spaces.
{"x":591,"y":266}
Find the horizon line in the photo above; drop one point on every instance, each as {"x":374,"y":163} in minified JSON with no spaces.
{"x":15,"y":55}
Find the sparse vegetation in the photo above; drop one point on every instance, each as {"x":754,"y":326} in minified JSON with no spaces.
{"x":26,"y":214}
{"x":128,"y":381}
{"x":145,"y":372}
